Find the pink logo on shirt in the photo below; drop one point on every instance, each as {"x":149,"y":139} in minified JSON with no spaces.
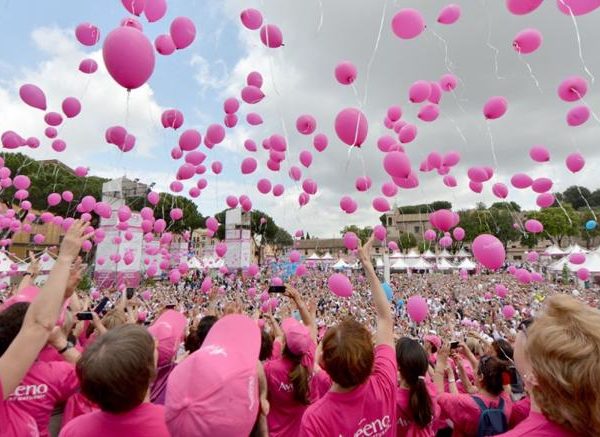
{"x":376,"y":428}
{"x":29,"y":392}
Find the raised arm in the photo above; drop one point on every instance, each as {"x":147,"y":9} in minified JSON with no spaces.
{"x":32,"y":271}
{"x":42,"y":313}
{"x":307,"y":318}
{"x":385,"y":321}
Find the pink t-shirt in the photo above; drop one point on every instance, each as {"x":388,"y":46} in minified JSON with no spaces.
{"x":464,"y":413}
{"x":14,"y":422}
{"x":144,"y":420}
{"x":368,"y":410}
{"x":45,"y":385}
{"x":286,"y":412}
{"x":520,"y":412}
{"x":536,"y":425}
{"x":406,"y":427}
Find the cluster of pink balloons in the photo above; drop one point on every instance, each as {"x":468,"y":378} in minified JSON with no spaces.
{"x":270,"y":35}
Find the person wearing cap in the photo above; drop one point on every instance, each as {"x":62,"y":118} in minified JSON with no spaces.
{"x":21,"y":350}
{"x":291,"y":380}
{"x":169,"y":331}
{"x":215,"y":391}
{"x":432,"y":343}
{"x":362,"y":399}
{"x":115,"y":372}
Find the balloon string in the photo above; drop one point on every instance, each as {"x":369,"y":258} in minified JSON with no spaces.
{"x":578,"y":35}
{"x":321,"y":17}
{"x":537,"y":83}
{"x":492,"y":145}
{"x":375,"y":49}
{"x":586,"y":202}
{"x":564,"y":210}
{"x":586,"y":104}
{"x":447,"y":61}
{"x":458,"y":129}
{"x":491,"y":46}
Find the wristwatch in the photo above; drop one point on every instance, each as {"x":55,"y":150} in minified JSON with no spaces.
{"x":66,"y":348}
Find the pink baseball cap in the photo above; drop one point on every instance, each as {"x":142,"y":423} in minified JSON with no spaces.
{"x":298,"y":341}
{"x":434,"y":340}
{"x":215,"y":390}
{"x":28,"y":294}
{"x":169,"y":330}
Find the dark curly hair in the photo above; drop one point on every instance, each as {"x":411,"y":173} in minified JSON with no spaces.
{"x":11,"y":320}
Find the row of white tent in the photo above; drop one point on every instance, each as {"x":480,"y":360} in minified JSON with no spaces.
{"x":419,"y":263}
{"x":592,"y":263}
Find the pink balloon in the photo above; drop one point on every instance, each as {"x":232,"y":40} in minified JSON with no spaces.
{"x":527,"y":41}
{"x":443,"y":219}
{"x":33,"y":96}
{"x":21,"y":195}
{"x":59,"y":145}
{"x":67,"y":196}
{"x":508,"y":312}
{"x":347,"y":204}
{"x":477,"y":174}
{"x":429,"y":113}
{"x":381,"y":204}
{"x":221,"y":249}
{"x":572,"y":89}
{"x":429,"y":235}
{"x":350,"y":240}
{"x":248,"y":165}
{"x":87,"y":34}
{"x":339,"y":285}
{"x":522,"y":7}
{"x":153,"y":198}
{"x":394,"y":113}
{"x":575,"y":162}
{"x":489,"y":251}
{"x":448,"y":82}
{"x":541,"y":185}
{"x":380,"y":233}
{"x":254,"y":119}
{"x":128,"y":56}
{"x":436,"y":93}
{"x":230,"y":121}
{"x":389,"y":189}
{"x":53,"y":118}
{"x":271,"y":36}
{"x":133,"y":23}
{"x":176,"y":187}
{"x":545,"y":200}
{"x":578,"y":115}
{"x":309,"y":186}
{"x":577,"y":7}
{"x":417,"y":308}
{"x":583,"y":274}
{"x":393,"y":246}
{"x":397,"y":164}
{"x":278,"y":143}
{"x":32,"y":142}
{"x":164,"y":45}
{"x":306,"y":158}
{"x":458,"y":234}
{"x":345,"y":73}
{"x":53,"y":199}
{"x":534,"y":226}
{"x":449,"y":14}
{"x":183,"y":32}
{"x":306,"y":124}
{"x":521,"y":181}
{"x":88,"y":66}
{"x":251,"y":19}
{"x":533,"y":257}
{"x":186,"y":171}
{"x":577,"y":258}
{"x":71,"y":107}
{"x":21,"y":182}
{"x":252,"y":94}
{"x":351,"y":127}
{"x":263,"y":186}
{"x":495,"y":108}
{"x":154,"y":10}
{"x":539,"y":154}
{"x":250,"y":146}
{"x":231,"y":105}
{"x":12,"y":140}
{"x":135,"y":7}
{"x":190,"y":140}
{"x":500,"y":190}
{"x":407,"y":134}
{"x":320,"y":142}
{"x":450,"y":181}
{"x":408,"y":23}
{"x":419,"y":91}
{"x":363,"y":183}
{"x":195,"y":157}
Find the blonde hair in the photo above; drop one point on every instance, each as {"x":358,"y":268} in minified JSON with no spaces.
{"x":563,"y":347}
{"x":474,"y":346}
{"x":113,"y":318}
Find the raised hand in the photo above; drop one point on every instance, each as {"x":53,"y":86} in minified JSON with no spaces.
{"x":75,"y":236}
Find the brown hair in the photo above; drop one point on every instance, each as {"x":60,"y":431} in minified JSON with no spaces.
{"x":563,"y":347}
{"x":299,"y":377}
{"x":113,"y":318}
{"x":117,"y":369}
{"x":491,"y":370}
{"x":348,"y":353}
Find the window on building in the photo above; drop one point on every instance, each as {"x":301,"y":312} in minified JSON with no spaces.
{"x":389,"y":221}
{"x":518,"y":257}
{"x":417,"y":229}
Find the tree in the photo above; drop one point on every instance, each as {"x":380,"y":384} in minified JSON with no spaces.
{"x":588,"y":236}
{"x":498,"y":222}
{"x":558,"y":224}
{"x":407,"y":240}
{"x":362,"y":233}
{"x":594,"y":198}
{"x":512,"y":206}
{"x":576,"y":196}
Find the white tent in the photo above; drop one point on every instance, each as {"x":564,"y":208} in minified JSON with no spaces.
{"x":444,"y":264}
{"x":314,"y":257}
{"x":327,"y":257}
{"x":575,"y":248}
{"x":341,"y":265}
{"x":47,"y":261}
{"x":396,"y":255}
{"x":466,"y":264}
{"x":194,"y":263}
{"x":400,"y":264}
{"x":553,"y":250}
{"x":444,"y":254}
{"x":420,"y":264}
{"x":5,"y":262}
{"x":412,"y":253}
{"x":592,"y":264}
{"x":462,"y":253}
{"x":378,"y":263}
{"x":428,"y":254}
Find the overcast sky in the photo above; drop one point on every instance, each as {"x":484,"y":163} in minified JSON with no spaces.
{"x":38,"y":46}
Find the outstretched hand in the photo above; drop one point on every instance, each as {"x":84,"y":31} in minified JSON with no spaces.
{"x":74,"y":238}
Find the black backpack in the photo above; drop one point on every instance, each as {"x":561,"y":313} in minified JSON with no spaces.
{"x":492,"y":420}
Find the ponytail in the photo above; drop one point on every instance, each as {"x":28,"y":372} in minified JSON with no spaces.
{"x":299,"y":377}
{"x":420,"y":403}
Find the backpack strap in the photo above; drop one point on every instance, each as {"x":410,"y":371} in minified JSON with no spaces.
{"x":480,"y":403}
{"x":501,"y":404}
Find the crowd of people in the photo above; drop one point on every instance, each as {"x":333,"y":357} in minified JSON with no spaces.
{"x":170,"y":360}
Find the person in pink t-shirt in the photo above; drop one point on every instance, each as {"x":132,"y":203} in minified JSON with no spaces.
{"x":291,"y":382}
{"x":558,"y":356}
{"x":417,"y":408}
{"x":115,"y":372}
{"x":462,"y":409}
{"x":362,"y":400}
